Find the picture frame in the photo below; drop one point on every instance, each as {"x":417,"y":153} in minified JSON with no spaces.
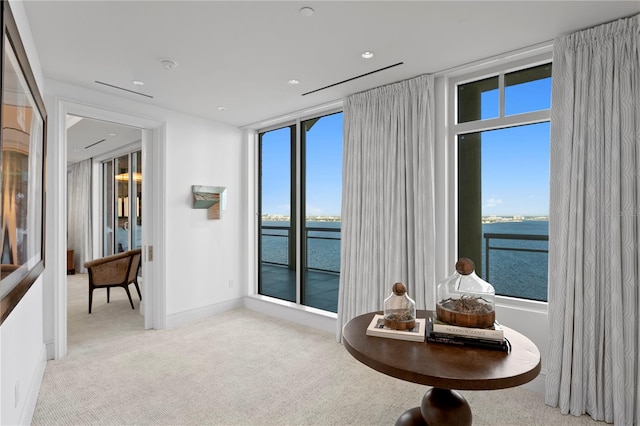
{"x":23,"y":124}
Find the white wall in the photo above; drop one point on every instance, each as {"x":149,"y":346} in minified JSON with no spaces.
{"x":203,"y":256}
{"x":205,"y":267}
{"x":22,"y":351}
{"x":207,"y":261}
{"x":22,"y":358}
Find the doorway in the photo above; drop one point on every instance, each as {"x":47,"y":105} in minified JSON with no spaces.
{"x":104,"y":193}
{"x":153,"y":148}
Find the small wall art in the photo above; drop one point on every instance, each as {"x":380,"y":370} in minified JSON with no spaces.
{"x":212,"y":198}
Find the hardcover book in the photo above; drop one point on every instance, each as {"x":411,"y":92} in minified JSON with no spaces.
{"x":474,"y":342}
{"x":377,"y":328}
{"x":494,"y":333}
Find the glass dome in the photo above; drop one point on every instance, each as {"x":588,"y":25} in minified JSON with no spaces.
{"x":399,"y":309}
{"x":464,"y":299}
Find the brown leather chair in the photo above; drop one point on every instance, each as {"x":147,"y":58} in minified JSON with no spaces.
{"x":117,"y":270}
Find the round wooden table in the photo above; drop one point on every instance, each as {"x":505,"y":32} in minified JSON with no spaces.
{"x":444,"y":367}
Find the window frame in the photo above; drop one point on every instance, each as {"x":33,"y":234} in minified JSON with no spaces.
{"x":498,"y":67}
{"x":299,"y":215}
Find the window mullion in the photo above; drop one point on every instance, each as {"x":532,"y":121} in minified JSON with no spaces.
{"x":299,"y":211}
{"x":497,"y":123}
{"x":501,"y":94}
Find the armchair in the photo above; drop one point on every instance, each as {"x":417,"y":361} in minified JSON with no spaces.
{"x":117,"y":270}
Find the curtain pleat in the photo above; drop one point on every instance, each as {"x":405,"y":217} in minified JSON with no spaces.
{"x":594,"y":253}
{"x":79,"y":214}
{"x":388,"y":223}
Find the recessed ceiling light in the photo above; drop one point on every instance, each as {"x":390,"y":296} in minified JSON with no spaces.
{"x":367,"y":55}
{"x":306,"y":11}
{"x":293,"y":82}
{"x":168,"y":64}
{"x":112,"y":134}
{"x":222,"y":108}
{"x":138,"y":82}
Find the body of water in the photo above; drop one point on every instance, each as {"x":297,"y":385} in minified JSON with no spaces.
{"x":514,"y":273}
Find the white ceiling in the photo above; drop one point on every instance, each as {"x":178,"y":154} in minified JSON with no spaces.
{"x":88,"y":138}
{"x":241,"y":54}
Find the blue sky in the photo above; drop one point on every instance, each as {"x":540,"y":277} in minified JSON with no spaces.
{"x":324,"y":169}
{"x":513,"y":183}
{"x":515,"y":161}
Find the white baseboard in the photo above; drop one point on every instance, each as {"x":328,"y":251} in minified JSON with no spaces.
{"x":34,"y":389}
{"x":177,"y":319}
{"x":310,"y":317}
{"x":537,"y":384}
{"x":50,"y":349}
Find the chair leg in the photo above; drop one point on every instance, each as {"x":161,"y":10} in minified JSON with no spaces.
{"x":108,"y":294}
{"x":126,"y":287}
{"x":90,"y":298}
{"x":138,"y":289}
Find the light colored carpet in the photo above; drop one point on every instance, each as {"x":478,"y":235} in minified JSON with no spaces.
{"x":237,"y":368}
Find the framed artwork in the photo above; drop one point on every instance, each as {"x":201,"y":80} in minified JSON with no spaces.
{"x":22,"y":170}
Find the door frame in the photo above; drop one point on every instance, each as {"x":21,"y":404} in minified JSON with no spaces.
{"x":153,"y":168}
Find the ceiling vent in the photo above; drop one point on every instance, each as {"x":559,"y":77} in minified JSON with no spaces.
{"x":353,"y":78}
{"x":122,"y":88}
{"x":94,"y":144}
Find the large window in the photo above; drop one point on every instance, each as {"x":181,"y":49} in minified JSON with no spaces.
{"x":122,"y":203}
{"x":502,"y":143}
{"x":299,"y":220}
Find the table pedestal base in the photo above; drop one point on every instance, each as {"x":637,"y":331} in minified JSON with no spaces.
{"x":439,"y":407}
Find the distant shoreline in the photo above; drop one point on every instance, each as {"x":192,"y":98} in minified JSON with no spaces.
{"x":485,"y":219}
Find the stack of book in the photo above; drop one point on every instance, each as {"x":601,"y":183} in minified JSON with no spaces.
{"x":378,"y":329}
{"x":486,"y":338}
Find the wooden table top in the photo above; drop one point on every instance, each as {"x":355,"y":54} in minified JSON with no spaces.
{"x":441,"y":365}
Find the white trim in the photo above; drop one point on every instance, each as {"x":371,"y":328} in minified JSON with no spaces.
{"x":502,"y":122}
{"x":55,"y":262}
{"x":483,"y":64}
{"x":305,"y":315}
{"x":153,"y":157}
{"x":155,"y":312}
{"x":251,"y":137}
{"x":34,"y":389}
{"x":537,"y":384}
{"x":533,"y":306}
{"x":185,"y":317}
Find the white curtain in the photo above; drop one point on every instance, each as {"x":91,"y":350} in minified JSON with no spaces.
{"x":594,"y":254}
{"x":388,"y":221}
{"x":79,"y":214}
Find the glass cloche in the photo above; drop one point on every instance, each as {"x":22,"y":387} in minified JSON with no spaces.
{"x":466,"y":300}
{"x":399,"y":309}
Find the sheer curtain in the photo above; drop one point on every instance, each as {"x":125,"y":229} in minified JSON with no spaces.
{"x":387,"y":197}
{"x":79,"y":214}
{"x":594,"y":254}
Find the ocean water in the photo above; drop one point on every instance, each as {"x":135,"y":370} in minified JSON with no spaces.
{"x":517,"y":273}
